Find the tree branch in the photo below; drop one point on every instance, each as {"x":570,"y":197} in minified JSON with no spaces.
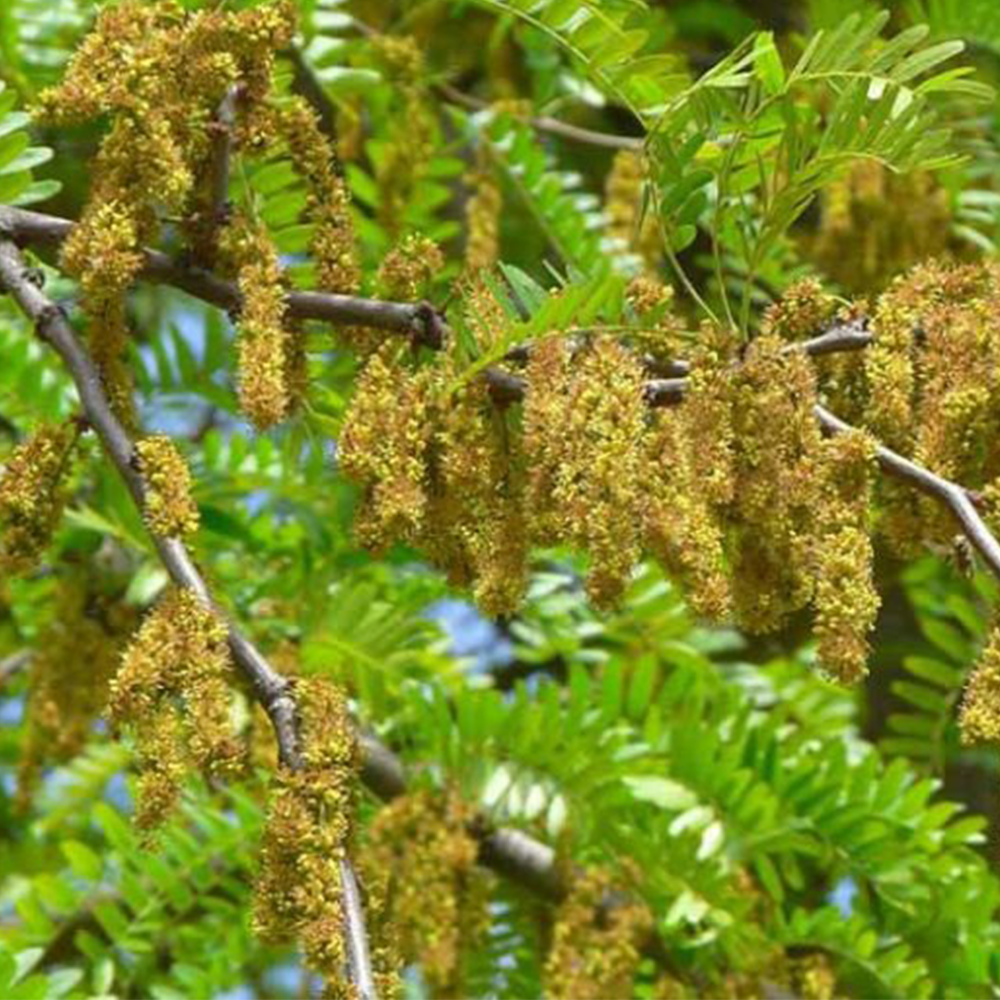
{"x":271,"y":690}
{"x":510,"y":852}
{"x":221,"y":131}
{"x":553,"y":126}
{"x":953,"y":496}
{"x":415,"y":319}
{"x":12,"y":665}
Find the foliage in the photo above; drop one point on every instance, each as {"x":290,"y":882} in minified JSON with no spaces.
{"x":598,"y":210}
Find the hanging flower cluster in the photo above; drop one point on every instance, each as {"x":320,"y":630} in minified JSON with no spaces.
{"x":168,"y":506}
{"x":403,"y":162}
{"x":156,"y":157}
{"x":583,"y":427}
{"x":89,"y":624}
{"x":298,"y":894}
{"x":596,"y":941}
{"x":980,"y":714}
{"x":439,"y":470}
{"x":332,"y":247}
{"x":482,"y":216}
{"x":846,"y":600}
{"x":264,"y":340}
{"x":158,"y":160}
{"x":32,"y":494}
{"x":409,"y":267}
{"x":172,"y":692}
{"x":933,"y":389}
{"x":876,"y":223}
{"x":623,"y":206}
{"x":436,"y":895}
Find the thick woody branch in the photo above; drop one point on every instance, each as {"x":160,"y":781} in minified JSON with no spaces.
{"x":418,"y":320}
{"x":513,"y":854}
{"x":271,"y":690}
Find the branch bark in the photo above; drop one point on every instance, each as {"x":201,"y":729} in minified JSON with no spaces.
{"x":415,"y":319}
{"x":543,"y":123}
{"x":271,"y":690}
{"x":512,"y":853}
{"x":222,"y":147}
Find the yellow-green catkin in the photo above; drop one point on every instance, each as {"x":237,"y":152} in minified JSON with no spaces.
{"x":845,"y":600}
{"x":410,"y":267}
{"x":979,"y":718}
{"x":298,"y":894}
{"x":155,"y":157}
{"x":32,"y":495}
{"x":437,"y":895}
{"x":333,"y":243}
{"x":87,"y":627}
{"x":596,"y":942}
{"x":482,"y":218}
{"x":876,"y":224}
{"x":411,"y":129}
{"x":933,"y":389}
{"x":172,"y":691}
{"x":623,"y":206}
{"x":708,"y":417}
{"x":775,"y":440}
{"x":101,"y":252}
{"x":812,"y":977}
{"x":383,"y":448}
{"x":264,"y":337}
{"x":802,"y":311}
{"x":168,"y":506}
{"x":681,"y":530}
{"x":660,"y":334}
{"x":584,"y":447}
{"x":477,"y":510}
{"x":546,"y":426}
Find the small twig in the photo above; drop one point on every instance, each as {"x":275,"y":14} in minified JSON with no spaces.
{"x":953,"y":496}
{"x":305,"y":84}
{"x":543,"y":123}
{"x":221,"y":131}
{"x":14,"y":664}
{"x":358,"y":956}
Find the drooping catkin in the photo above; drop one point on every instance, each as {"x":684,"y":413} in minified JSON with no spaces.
{"x":437,"y":895}
{"x":263,"y":334}
{"x":172,"y":692}
{"x":383,"y":446}
{"x":168,"y":506}
{"x":979,"y":718}
{"x":595,"y":949}
{"x":845,"y":599}
{"x":32,"y":494}
{"x":298,"y":894}
{"x":585,"y":429}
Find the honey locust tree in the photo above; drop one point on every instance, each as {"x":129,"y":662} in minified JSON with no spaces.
{"x":630,"y":338}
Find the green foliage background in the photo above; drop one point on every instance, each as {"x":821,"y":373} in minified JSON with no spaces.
{"x":764,"y":806}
